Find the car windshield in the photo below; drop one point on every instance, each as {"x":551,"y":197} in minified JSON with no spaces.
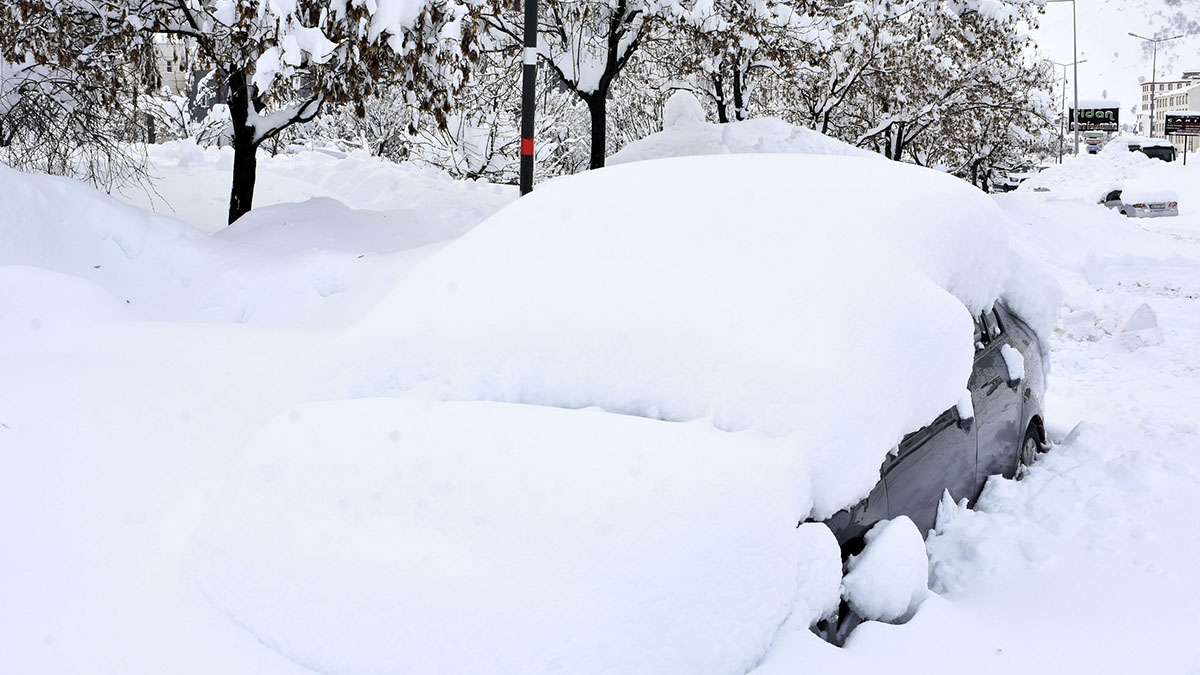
{"x":1164,"y":152}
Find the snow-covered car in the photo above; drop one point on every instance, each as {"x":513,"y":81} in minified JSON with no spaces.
{"x":614,"y":401}
{"x":1142,"y":202}
{"x":1154,"y":148}
{"x":1011,"y":179}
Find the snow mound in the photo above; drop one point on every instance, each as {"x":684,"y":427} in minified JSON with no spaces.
{"x":765,"y":312}
{"x":289,"y":265}
{"x":890,"y":578}
{"x":1089,"y":178}
{"x":683,"y":108}
{"x":760,"y":135}
{"x":400,"y":535}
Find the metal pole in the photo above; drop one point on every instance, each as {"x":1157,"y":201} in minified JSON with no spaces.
{"x":528,"y":82}
{"x":1075,"y":75}
{"x":1062,"y":122}
{"x":1153,"y":85}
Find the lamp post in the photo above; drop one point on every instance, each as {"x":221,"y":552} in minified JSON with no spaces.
{"x":1154,"y":72}
{"x":1075,"y":75}
{"x":1062,"y":122}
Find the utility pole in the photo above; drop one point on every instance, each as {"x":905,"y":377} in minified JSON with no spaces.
{"x":1075,"y":74}
{"x":1154,"y":72}
{"x":528,"y":84}
{"x":1063,"y":120}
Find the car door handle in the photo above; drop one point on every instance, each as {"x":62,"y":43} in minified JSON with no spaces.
{"x":993,"y":385}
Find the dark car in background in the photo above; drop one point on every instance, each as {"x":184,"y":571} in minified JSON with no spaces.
{"x":957,"y":453}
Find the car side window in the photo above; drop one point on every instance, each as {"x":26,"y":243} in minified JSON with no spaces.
{"x":1113,"y":196}
{"x":991,"y":325}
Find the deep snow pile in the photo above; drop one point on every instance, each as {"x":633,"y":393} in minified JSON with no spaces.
{"x":399,"y":535}
{"x":570,"y":298}
{"x":309,"y":264}
{"x":686,"y":133}
{"x":740,"y":344}
{"x":1088,"y":178}
{"x":192,"y":183}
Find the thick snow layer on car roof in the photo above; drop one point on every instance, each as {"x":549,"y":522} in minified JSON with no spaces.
{"x":820,"y":298}
{"x":1123,"y":142}
{"x":399,"y":535}
{"x":1142,"y":192}
{"x":687,"y":134}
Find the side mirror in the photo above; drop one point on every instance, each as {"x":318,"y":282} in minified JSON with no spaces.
{"x":961,"y":422}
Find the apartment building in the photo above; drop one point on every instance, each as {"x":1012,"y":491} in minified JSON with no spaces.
{"x":1158,"y":91}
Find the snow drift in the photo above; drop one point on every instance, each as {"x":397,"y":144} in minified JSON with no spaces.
{"x":687,"y":134}
{"x":406,"y":536}
{"x":644,"y":290}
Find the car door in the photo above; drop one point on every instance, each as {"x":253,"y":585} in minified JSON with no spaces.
{"x":996,"y":397}
{"x":939,"y":457}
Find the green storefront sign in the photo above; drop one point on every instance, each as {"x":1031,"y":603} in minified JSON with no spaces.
{"x":1095,"y":119}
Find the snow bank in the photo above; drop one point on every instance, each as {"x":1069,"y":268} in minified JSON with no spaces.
{"x":645,"y":290}
{"x":686,"y":135}
{"x":314,"y":264}
{"x":192,"y":183}
{"x":1089,"y":178}
{"x":402,"y":535}
{"x":890,"y":578}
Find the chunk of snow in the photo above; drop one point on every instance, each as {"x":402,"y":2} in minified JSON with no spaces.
{"x":965,"y":408}
{"x":683,"y":108}
{"x":890,"y":578}
{"x":1013,"y":361}
{"x":1141,"y":329}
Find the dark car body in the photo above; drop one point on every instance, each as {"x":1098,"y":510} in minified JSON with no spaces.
{"x":955,"y":454}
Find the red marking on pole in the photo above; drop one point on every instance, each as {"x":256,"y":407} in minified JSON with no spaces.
{"x":527,"y":146}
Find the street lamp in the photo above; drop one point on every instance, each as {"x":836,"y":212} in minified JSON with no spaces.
{"x":1062,"y":122}
{"x":1153,"y":73}
{"x":1075,"y":75}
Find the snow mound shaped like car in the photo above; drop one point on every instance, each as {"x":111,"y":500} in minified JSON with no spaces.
{"x":609,"y":406}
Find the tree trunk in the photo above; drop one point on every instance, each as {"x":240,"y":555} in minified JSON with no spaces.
{"x":722,"y":108}
{"x":245,"y":148}
{"x":739,"y":105}
{"x":596,"y":106}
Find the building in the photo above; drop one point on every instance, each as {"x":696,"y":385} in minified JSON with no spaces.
{"x":1158,"y":91}
{"x":1178,"y":100}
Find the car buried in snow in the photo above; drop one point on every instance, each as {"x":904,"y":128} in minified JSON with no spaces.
{"x":1142,"y":202}
{"x":999,"y":433}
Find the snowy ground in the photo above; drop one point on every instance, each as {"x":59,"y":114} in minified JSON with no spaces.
{"x":122,"y":422}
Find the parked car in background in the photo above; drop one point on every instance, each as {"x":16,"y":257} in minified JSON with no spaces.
{"x":1142,"y":202}
{"x":959,"y":450}
{"x":1155,"y":148}
{"x":1012,"y":178}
